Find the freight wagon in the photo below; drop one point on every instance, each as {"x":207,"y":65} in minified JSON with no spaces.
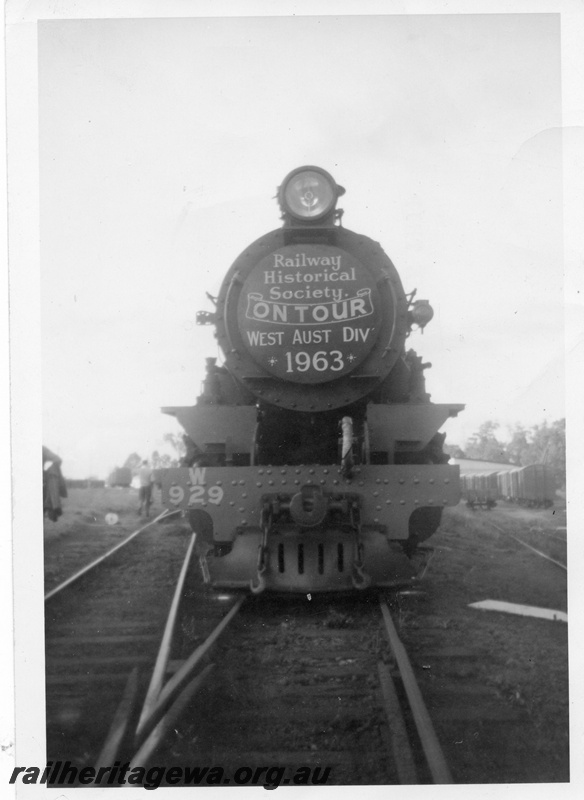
{"x":532,"y":485}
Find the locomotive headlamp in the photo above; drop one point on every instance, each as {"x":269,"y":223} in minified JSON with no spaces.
{"x":309,"y":194}
{"x":421,"y":313}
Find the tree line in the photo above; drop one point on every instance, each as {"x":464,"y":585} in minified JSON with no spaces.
{"x":155,"y":459}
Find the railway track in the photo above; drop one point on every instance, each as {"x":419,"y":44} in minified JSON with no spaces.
{"x":257,"y":684}
{"x":87,"y":568}
{"x":541,"y":542}
{"x":102,"y":625}
{"x":252,"y":684}
{"x":120,"y":680}
{"x":306,"y":684}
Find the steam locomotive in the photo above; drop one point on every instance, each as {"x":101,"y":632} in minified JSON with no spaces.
{"x":313,"y":460}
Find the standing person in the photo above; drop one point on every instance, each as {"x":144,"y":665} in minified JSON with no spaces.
{"x":54,"y":487}
{"x":145,"y":476}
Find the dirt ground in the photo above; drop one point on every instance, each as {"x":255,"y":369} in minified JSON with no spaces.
{"x":82,"y":533}
{"x":496,"y":684}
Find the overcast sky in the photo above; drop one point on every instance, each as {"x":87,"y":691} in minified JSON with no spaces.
{"x":162,"y":143}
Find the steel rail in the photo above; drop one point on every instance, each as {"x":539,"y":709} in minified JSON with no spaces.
{"x":430,"y":744}
{"x":169,"y":720}
{"x":160,"y":666}
{"x":403,"y":758}
{"x":529,"y":547}
{"x":427,"y":564}
{"x":547,"y":535}
{"x":102,"y":558}
{"x":120,"y":722}
{"x":163,"y":702}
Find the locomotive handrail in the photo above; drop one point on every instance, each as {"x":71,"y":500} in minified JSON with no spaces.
{"x":235,"y":279}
